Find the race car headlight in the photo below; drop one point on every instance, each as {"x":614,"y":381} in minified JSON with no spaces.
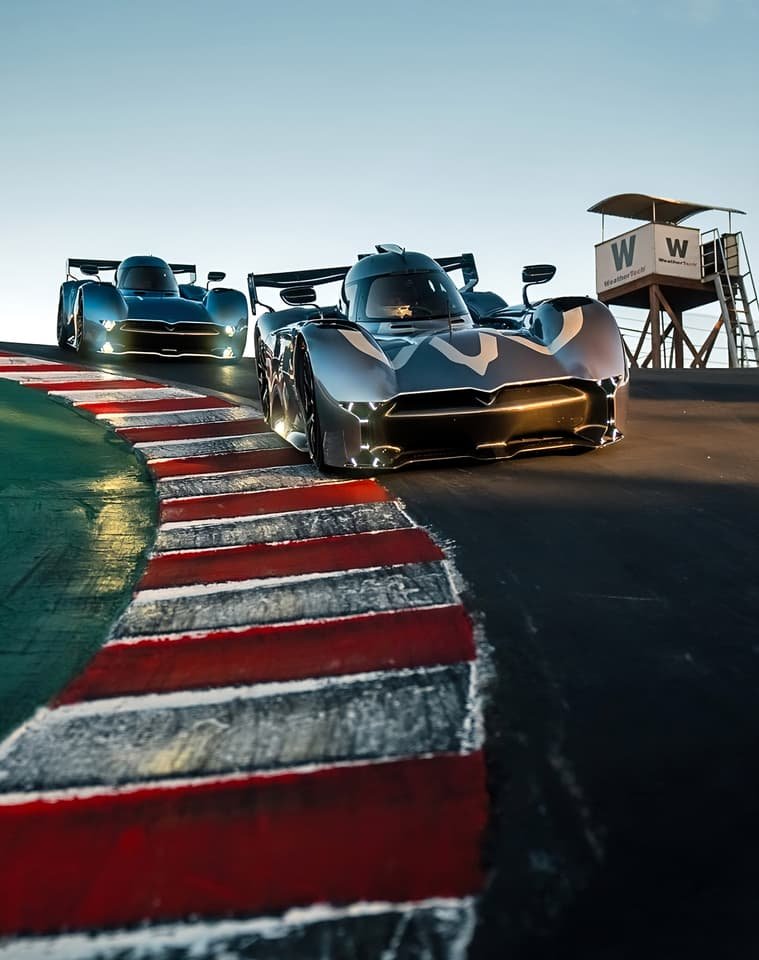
{"x":360,"y":410}
{"x":230,"y":330}
{"x":109,"y":325}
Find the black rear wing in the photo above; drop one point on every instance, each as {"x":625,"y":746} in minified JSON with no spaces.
{"x":464,"y":262}
{"x":293,"y":278}
{"x":95,"y":266}
{"x":90,"y":266}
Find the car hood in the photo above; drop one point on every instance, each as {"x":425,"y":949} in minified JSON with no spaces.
{"x":350,"y":364}
{"x":166,"y":309}
{"x":481,"y":359}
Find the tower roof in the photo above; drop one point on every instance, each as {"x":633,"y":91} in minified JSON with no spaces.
{"x":641,"y":206}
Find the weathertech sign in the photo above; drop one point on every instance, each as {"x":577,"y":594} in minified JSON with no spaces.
{"x":656,"y":248}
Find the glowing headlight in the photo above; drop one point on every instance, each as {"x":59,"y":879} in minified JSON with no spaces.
{"x":109,"y":325}
{"x":230,"y":330}
{"x":360,"y":410}
{"x":107,"y":347}
{"x":228,"y":353}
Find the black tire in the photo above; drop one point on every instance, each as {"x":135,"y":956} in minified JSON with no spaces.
{"x":264,"y":397}
{"x":79,"y":345}
{"x":307,"y":393}
{"x":62,"y":326}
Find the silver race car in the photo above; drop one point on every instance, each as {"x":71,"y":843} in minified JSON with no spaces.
{"x":145,"y":311}
{"x":406,"y":367}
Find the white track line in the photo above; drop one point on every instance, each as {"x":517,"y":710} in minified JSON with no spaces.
{"x":59,"y":376}
{"x":283,"y":527}
{"x":439,"y":928}
{"x":77,"y":397}
{"x":168,"y":637}
{"x":178,"y":784}
{"x":213,"y":446}
{"x":399,"y":713}
{"x":285,"y":600}
{"x":22,"y":361}
{"x":243,"y":481}
{"x":156,"y":418}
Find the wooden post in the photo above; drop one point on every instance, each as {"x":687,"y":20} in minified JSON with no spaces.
{"x":655,"y":318}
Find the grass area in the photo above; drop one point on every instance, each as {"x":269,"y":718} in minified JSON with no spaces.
{"x":77,"y":514}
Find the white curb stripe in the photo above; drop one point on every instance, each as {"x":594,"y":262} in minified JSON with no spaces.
{"x":435,"y":928}
{"x":59,"y":376}
{"x":105,"y":791}
{"x":27,"y":362}
{"x":168,"y":637}
{"x":283,"y":527}
{"x":213,"y":446}
{"x":178,"y":417}
{"x":243,"y":481}
{"x":402,"y":713}
{"x":112,"y":396}
{"x":262,"y":602}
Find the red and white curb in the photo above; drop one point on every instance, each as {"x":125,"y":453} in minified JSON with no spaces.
{"x":278,"y":752}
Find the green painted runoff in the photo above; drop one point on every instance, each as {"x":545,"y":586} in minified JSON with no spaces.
{"x":77,"y":515}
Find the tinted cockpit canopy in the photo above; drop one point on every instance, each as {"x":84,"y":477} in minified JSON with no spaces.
{"x":149,"y":274}
{"x":422,"y":295}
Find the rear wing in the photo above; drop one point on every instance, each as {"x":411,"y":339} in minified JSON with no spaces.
{"x":293,"y":278}
{"x":465,"y":263}
{"x":92,"y":267}
{"x":185,"y":268}
{"x":89,"y":267}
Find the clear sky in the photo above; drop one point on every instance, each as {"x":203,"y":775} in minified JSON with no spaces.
{"x":243,"y":134}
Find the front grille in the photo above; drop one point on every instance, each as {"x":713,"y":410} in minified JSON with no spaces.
{"x":447,"y":403}
{"x":184,"y":328}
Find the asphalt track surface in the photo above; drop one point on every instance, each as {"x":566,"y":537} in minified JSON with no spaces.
{"x":619,"y":593}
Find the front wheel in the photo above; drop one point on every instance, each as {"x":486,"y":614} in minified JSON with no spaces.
{"x":307,"y":394}
{"x":263,"y":380}
{"x":79,"y":345}
{"x":62,"y":326}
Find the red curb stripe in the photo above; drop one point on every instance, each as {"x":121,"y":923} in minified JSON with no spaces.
{"x":420,"y":638}
{"x":405,"y":830}
{"x":321,"y":555}
{"x":257,"y":503}
{"x":226,"y":462}
{"x":172,"y":405}
{"x":99,"y":385}
{"x":41,"y":368}
{"x":193,"y":431}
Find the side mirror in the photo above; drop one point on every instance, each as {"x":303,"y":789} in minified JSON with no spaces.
{"x":89,"y":269}
{"x":536,"y":273}
{"x":298,"y":296}
{"x":216,"y":276}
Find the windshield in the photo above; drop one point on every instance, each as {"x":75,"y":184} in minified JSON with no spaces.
{"x":154,"y":279}
{"x":408,"y":296}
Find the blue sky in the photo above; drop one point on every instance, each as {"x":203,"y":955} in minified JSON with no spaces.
{"x":250,"y":135}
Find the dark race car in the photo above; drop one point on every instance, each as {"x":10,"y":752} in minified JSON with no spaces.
{"x":145,"y":311}
{"x":406,"y":367}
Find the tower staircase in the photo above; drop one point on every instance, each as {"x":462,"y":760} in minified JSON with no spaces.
{"x":724,"y":262}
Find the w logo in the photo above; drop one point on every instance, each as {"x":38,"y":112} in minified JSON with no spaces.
{"x":624,"y":251}
{"x":677,"y":248}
